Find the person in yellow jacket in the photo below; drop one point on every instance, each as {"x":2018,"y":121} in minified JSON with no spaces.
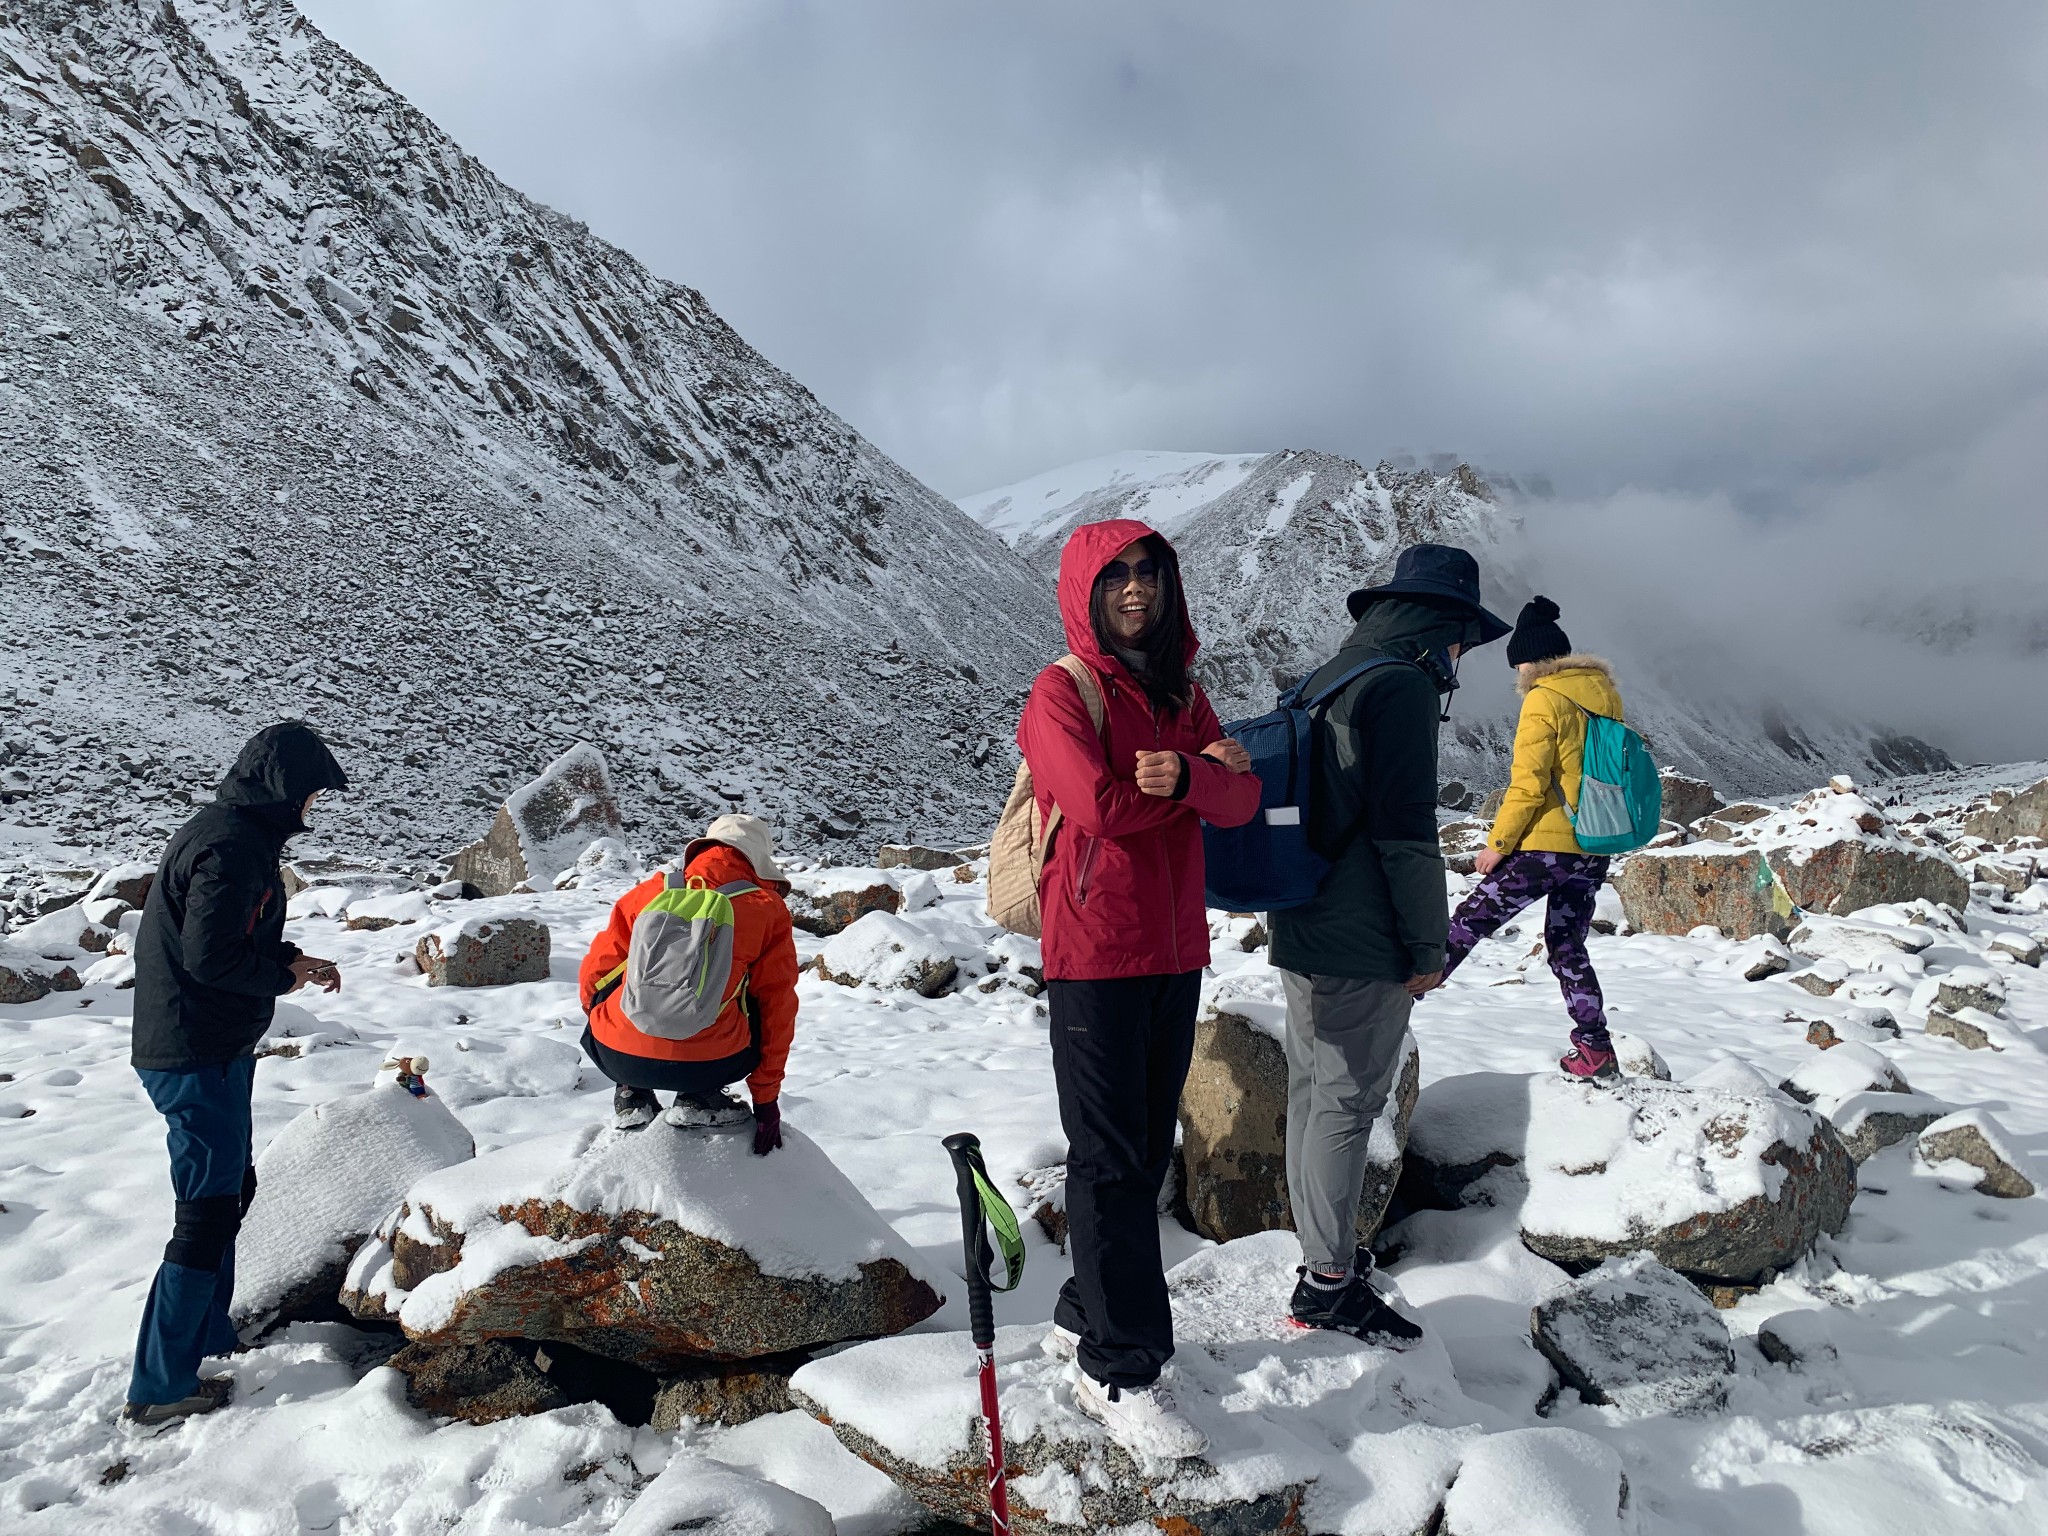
{"x":1530,"y":852}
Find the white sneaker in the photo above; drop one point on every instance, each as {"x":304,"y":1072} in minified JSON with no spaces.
{"x":1060,"y":1343}
{"x":1143,"y":1420}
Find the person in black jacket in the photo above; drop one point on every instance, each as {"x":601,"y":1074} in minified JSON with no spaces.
{"x":1355,"y":957}
{"x":210,"y":963}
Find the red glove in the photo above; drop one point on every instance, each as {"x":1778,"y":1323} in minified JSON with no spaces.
{"x":767,"y":1128}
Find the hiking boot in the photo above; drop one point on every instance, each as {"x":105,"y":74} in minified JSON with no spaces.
{"x":1144,"y":1420}
{"x":633,"y":1107}
{"x":715,"y":1111}
{"x":1593,"y":1062}
{"x":1354,"y":1307}
{"x":153,"y":1418}
{"x":1060,"y":1343}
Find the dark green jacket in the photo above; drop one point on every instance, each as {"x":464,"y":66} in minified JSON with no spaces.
{"x":1381,"y":913}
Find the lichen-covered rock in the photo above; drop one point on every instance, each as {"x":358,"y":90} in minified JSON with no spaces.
{"x":833,"y":900}
{"x":1636,"y":1336}
{"x":1975,"y":1137}
{"x":881,"y":950}
{"x":661,"y":1247}
{"x":485,"y":952}
{"x":1675,"y":890}
{"x":1233,"y":1116}
{"x":324,"y":1184}
{"x":542,"y":826}
{"x":1852,"y":873}
{"x":479,"y":1383}
{"x":726,"y":1394}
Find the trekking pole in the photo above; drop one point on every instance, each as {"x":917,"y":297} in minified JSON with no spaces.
{"x":981,"y":1207}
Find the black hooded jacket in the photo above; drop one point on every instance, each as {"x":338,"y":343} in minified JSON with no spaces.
{"x":210,"y":959}
{"x":1381,"y":914}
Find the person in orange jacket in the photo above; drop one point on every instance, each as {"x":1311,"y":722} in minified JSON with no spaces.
{"x":751,"y":1036}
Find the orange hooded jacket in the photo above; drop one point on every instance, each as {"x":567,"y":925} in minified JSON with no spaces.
{"x":764,"y":950}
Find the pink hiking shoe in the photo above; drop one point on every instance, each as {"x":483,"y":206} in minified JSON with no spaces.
{"x":1591,"y":1062}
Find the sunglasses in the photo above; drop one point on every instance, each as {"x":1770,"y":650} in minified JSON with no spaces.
{"x":1116,"y":574}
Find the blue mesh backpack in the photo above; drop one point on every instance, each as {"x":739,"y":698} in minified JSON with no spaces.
{"x":1267,"y":865}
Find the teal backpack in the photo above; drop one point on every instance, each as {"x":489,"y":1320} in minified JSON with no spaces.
{"x":1621,"y":796}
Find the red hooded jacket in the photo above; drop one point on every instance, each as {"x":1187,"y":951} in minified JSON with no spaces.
{"x":1122,"y":891}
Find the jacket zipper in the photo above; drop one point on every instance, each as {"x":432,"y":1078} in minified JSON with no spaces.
{"x":1081,"y":873}
{"x":1172,"y":905}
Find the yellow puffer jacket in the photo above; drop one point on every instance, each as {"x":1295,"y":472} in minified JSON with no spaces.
{"x":1550,"y":745}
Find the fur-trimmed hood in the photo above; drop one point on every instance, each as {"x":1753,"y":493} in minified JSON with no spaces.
{"x":1586,"y":680}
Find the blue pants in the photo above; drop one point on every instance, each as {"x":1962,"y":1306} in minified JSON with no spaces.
{"x":186,"y":1316}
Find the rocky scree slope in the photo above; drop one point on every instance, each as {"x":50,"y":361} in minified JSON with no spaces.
{"x":303,"y":412}
{"x":1271,"y":544}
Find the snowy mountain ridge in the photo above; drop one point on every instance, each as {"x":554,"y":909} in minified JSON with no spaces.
{"x":1271,"y":545}
{"x":302,"y":411}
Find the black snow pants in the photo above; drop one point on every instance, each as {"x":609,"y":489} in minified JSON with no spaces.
{"x":1120,"y":1053}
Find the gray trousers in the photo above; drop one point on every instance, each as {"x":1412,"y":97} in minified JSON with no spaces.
{"x":1343,"y":1049}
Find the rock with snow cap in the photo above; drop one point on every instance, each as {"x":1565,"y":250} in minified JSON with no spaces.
{"x":27,"y":977}
{"x":485,"y":952}
{"x":1635,"y":1336}
{"x":882,"y":950}
{"x":1975,"y":1138}
{"x":324,"y":1184}
{"x":1687,"y":799}
{"x":1971,"y":986}
{"x":1869,"y":1122}
{"x":543,"y":826}
{"x":659,"y":1247}
{"x":1971,"y":1028}
{"x":705,"y":1497}
{"x":1538,"y":1482}
{"x":1847,"y":1068}
{"x":1233,"y":1118}
{"x":2019,"y":946}
{"x":830,"y":901}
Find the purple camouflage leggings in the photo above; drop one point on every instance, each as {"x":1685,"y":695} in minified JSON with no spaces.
{"x":1571,"y":881}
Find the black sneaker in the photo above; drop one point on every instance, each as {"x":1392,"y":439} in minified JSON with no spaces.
{"x":714,"y":1111}
{"x":1354,"y":1308}
{"x":149,"y":1418}
{"x":633,"y":1108}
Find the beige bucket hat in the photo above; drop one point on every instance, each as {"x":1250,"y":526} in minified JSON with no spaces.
{"x":751,"y":836}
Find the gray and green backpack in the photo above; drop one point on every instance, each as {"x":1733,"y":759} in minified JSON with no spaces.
{"x":679,"y":963}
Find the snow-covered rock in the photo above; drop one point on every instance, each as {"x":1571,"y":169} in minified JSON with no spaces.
{"x":826,"y":902}
{"x":1638,"y":1058}
{"x":1233,"y":1118}
{"x":1538,"y":1482}
{"x":485,"y":952}
{"x":543,"y":826}
{"x":1719,"y":1177}
{"x":1975,"y":1138}
{"x":1832,"y":1075}
{"x":323,"y":1185}
{"x":709,"y":1498}
{"x":1637,"y":1337}
{"x":2021,"y":815}
{"x":1675,"y":890}
{"x":1871,"y":1121}
{"x":882,"y":950}
{"x":1971,"y":1028}
{"x":1687,"y":799}
{"x":1274,"y":1403}
{"x":27,"y":977}
{"x":1971,"y":986}
{"x":658,"y":1247}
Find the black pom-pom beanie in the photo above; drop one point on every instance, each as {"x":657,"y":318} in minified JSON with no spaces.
{"x":1536,"y":636}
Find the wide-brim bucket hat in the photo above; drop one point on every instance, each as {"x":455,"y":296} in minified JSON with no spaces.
{"x":1440,"y":573}
{"x":751,"y":836}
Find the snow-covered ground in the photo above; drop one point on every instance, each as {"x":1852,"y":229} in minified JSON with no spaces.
{"x":1933,"y":1415}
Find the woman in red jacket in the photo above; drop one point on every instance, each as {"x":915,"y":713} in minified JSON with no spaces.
{"x":1125,"y":938}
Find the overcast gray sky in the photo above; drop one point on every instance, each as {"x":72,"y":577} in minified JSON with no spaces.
{"x":1762,"y":289}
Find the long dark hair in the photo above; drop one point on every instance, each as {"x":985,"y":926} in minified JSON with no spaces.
{"x":1164,"y":641}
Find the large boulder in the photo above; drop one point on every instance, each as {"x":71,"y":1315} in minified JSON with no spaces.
{"x":543,"y":826}
{"x":324,"y":1184}
{"x":27,"y":977}
{"x":829,"y":901}
{"x":1233,"y":1117}
{"x":1636,"y":1336}
{"x":485,"y":952}
{"x":1721,"y":1178}
{"x":917,"y":856}
{"x":660,"y":1247}
{"x":1675,"y":890}
{"x":1850,"y":874}
{"x":2022,"y":815}
{"x":1687,"y":799}
{"x":882,"y":950}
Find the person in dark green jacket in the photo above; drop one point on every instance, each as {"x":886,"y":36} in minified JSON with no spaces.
{"x":1354,"y":959}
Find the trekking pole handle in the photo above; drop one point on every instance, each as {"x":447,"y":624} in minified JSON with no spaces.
{"x":964,"y":1147}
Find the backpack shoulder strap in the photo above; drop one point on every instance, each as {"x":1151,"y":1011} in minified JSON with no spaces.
{"x":1323,"y":696}
{"x":738,"y":888}
{"x":1090,"y":690}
